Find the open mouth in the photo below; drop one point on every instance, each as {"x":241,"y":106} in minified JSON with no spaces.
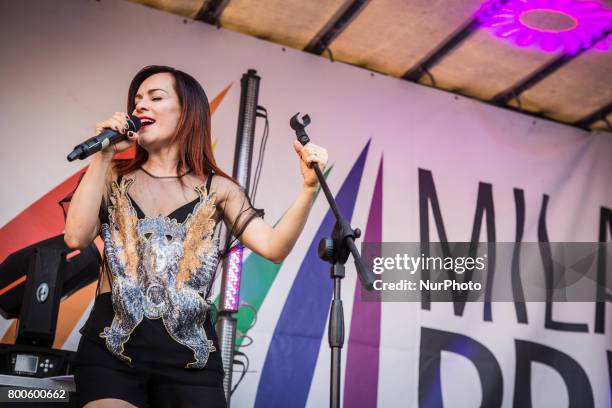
{"x":145,"y":122}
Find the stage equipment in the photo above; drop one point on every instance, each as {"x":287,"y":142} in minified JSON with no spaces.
{"x":102,"y":140}
{"x":335,"y":250}
{"x":232,"y":264}
{"x":50,"y":271}
{"x":552,"y":25}
{"x":34,"y":361}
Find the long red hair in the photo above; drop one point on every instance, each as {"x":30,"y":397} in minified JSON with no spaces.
{"x":192,"y":133}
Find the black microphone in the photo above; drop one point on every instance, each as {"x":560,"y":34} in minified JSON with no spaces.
{"x":100,"y":141}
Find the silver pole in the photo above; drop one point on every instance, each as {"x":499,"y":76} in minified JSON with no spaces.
{"x":230,"y":281}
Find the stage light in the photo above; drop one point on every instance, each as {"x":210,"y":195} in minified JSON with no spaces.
{"x":232,"y":286}
{"x":551,"y":25}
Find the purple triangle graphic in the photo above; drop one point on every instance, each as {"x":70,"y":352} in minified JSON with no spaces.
{"x":362,"y":360}
{"x":292,"y":356}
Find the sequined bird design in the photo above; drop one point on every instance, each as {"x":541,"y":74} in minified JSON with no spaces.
{"x":160,"y":269}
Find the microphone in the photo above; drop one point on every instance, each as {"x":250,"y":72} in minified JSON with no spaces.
{"x":102,"y":140}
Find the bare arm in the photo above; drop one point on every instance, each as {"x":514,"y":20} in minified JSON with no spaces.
{"x":276,"y":243}
{"x":82,"y":223}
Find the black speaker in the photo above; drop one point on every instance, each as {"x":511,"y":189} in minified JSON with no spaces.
{"x":37,"y":277}
{"x":43,"y":291}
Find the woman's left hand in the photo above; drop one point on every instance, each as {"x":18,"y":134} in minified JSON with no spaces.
{"x":310,"y":153}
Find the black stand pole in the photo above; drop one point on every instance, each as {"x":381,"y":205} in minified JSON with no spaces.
{"x":335,"y":250}
{"x":336,"y":335}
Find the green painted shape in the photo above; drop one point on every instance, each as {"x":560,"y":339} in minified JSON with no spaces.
{"x":258,"y":275}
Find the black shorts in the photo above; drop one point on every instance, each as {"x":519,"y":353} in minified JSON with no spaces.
{"x":157,"y":377}
{"x":143,"y":389}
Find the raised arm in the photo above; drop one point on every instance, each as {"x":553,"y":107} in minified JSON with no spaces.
{"x":82,"y":223}
{"x":276,"y":243}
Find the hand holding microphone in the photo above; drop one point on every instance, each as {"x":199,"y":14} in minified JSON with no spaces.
{"x":119,"y":131}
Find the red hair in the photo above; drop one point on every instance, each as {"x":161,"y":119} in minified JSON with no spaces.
{"x":192,"y":133}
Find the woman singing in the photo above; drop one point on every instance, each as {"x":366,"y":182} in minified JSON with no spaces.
{"x":149,"y":340}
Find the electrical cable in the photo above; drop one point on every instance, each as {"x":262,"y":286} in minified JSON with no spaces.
{"x":244,"y":371}
{"x":261,"y":113}
{"x":238,"y":362}
{"x":240,"y":335}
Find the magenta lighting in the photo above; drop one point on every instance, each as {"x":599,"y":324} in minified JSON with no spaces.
{"x":232,"y":284}
{"x":551,"y":25}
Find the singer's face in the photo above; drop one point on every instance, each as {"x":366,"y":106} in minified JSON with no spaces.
{"x":159,"y":110}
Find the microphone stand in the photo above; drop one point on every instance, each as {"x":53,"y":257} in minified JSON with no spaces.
{"x":335,"y":250}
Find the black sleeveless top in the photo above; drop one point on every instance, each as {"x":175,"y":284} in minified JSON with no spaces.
{"x":150,"y":344}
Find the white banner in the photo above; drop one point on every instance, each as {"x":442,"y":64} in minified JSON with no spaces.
{"x":440,"y":161}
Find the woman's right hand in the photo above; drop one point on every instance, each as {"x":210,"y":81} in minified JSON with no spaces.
{"x":119,"y":123}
